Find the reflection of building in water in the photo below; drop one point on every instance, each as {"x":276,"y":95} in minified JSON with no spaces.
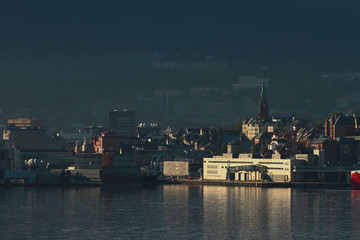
{"x":231,"y":212}
{"x":176,"y":208}
{"x":355,"y":208}
{"x":323,"y":213}
{"x":216,"y":212}
{"x":183,"y":210}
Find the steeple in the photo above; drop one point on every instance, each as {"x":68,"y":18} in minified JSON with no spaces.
{"x":263,"y":104}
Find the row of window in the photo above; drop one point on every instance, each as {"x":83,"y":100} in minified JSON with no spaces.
{"x":212,"y":166}
{"x":216,"y":171}
{"x":229,"y":162}
{"x":247,"y":162}
{"x":271,"y":163}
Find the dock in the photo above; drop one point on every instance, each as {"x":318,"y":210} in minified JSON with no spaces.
{"x":336,"y":185}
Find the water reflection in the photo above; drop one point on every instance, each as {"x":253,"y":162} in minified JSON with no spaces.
{"x":178,"y":211}
{"x":182,"y":211}
{"x":322,"y":213}
{"x":244,"y":212}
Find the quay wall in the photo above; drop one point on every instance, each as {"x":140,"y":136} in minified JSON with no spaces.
{"x":265,"y":184}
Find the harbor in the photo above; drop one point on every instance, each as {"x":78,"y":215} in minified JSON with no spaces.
{"x":68,"y":180}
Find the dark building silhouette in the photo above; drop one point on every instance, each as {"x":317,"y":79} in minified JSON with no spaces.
{"x":31,"y":138}
{"x":340,"y":125}
{"x":263,"y":104}
{"x":122,"y":122}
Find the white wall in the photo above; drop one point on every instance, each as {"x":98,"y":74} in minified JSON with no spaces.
{"x":278,"y":169}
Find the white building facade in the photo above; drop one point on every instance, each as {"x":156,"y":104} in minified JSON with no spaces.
{"x":278,"y":170}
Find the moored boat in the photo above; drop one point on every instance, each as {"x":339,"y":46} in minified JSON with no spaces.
{"x":120,"y":169}
{"x":355,"y":179}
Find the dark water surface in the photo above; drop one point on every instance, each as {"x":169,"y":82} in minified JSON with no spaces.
{"x":179,"y":212}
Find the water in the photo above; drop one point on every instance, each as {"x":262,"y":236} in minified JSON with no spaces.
{"x":179,"y":212}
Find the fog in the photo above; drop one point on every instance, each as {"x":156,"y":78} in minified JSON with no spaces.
{"x":94,"y":52}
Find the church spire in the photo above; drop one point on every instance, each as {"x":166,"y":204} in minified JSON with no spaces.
{"x":263,"y":104}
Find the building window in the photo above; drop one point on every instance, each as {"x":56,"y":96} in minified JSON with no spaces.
{"x":271,"y":163}
{"x":212,"y":166}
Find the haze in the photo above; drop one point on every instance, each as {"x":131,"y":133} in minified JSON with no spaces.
{"x":64,"y":52}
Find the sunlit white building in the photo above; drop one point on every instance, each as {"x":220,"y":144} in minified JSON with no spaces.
{"x":248,"y":167}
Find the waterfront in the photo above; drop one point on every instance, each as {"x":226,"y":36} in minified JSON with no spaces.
{"x":179,"y":211}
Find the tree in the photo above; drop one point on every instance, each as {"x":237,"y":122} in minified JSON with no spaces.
{"x":223,"y":148}
{"x":239,"y":126}
{"x":255,"y":148}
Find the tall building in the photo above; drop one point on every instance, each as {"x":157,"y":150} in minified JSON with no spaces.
{"x":122,"y":122}
{"x":31,"y":138}
{"x":23,"y":123}
{"x":263,"y":104}
{"x":26,"y":133}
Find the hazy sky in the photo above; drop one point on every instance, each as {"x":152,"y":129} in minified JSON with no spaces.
{"x":53,"y":50}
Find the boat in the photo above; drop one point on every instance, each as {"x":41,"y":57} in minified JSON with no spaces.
{"x":355,"y":179}
{"x":120,"y":169}
{"x":149,"y":176}
{"x":120,"y":175}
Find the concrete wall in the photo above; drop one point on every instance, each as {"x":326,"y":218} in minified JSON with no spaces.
{"x":176,"y":168}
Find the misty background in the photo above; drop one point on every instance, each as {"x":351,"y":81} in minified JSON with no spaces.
{"x":72,"y":61}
